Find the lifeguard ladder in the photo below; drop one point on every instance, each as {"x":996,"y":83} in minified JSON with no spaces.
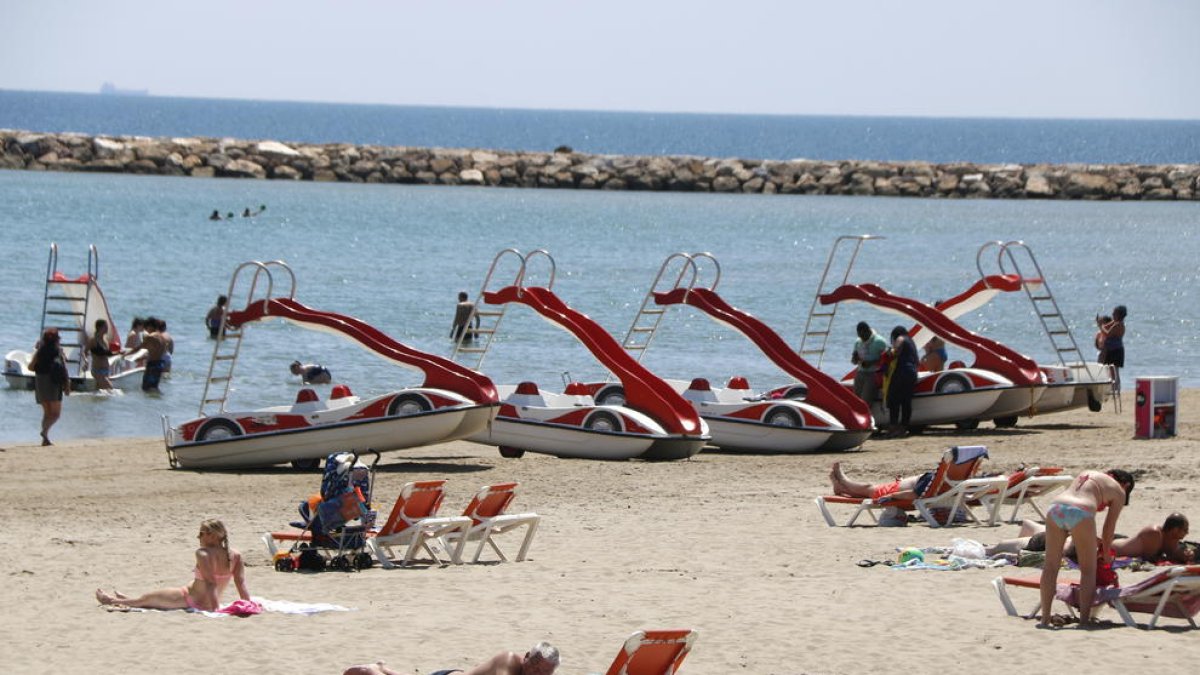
{"x":1016,"y":257}
{"x":65,"y":305}
{"x":650,"y":315}
{"x":817,"y":328}
{"x":489,"y":319}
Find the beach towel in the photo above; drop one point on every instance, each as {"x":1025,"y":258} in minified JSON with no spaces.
{"x":951,"y":563}
{"x":255,"y":605}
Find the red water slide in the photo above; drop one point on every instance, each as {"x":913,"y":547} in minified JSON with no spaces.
{"x":979,"y":294}
{"x":989,"y":354}
{"x":823,"y":391}
{"x":644,"y":391}
{"x":440,"y":373}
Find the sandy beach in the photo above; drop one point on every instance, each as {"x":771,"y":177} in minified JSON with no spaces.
{"x":729,"y":545}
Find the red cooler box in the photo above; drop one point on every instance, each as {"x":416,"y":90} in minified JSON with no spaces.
{"x":1154,"y":414}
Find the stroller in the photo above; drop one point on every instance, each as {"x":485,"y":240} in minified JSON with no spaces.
{"x":337,"y":520}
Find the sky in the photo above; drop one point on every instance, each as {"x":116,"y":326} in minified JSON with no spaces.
{"x":1112,"y":59}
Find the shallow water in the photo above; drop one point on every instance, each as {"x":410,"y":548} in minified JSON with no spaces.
{"x":395,"y":256}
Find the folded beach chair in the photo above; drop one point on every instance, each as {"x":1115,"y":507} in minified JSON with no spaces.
{"x":1173,"y":593}
{"x":653,"y":652}
{"x":488,"y":519}
{"x":949,"y":496}
{"x":414,"y":524}
{"x":1027,"y":486}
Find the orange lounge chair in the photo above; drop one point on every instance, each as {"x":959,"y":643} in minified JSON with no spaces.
{"x":414,"y":523}
{"x":1174,"y":593}
{"x":488,"y":519}
{"x":953,"y":490}
{"x":1026,"y":486}
{"x":653,"y":652}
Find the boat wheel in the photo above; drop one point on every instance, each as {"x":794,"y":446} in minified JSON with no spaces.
{"x":1005,"y":422}
{"x":782,"y":417}
{"x":408,"y":404}
{"x":510,"y":452}
{"x":218,"y":429}
{"x":602,"y":420}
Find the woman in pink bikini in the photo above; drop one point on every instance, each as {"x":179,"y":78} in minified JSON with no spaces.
{"x":216,"y":564}
{"x":1073,"y":513}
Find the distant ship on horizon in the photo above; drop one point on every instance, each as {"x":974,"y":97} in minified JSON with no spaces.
{"x":108,"y":88}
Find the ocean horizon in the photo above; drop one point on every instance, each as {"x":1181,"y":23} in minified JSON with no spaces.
{"x":759,"y":136}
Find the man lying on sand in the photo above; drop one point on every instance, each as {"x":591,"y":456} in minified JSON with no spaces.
{"x":1153,"y":543}
{"x":542,"y":659}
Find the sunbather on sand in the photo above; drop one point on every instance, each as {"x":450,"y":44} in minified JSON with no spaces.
{"x":1073,"y":513}
{"x":542,"y":659}
{"x":1154,"y":543}
{"x":216,"y":564}
{"x":907,"y":487}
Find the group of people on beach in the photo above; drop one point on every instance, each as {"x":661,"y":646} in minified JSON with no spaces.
{"x":148,"y":339}
{"x":890,"y":368}
{"x":1071,"y":530}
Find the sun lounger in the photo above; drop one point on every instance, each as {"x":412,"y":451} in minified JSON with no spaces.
{"x":414,"y":523}
{"x":949,"y":496}
{"x":488,"y":519}
{"x":1026,"y":487}
{"x":653,"y":652}
{"x":1173,"y":593}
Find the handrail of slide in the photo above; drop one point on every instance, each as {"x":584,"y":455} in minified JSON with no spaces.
{"x":644,"y":390}
{"x":823,"y":391}
{"x":989,"y":354}
{"x":439,"y":372}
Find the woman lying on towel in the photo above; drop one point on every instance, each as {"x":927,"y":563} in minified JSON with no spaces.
{"x":907,"y":487}
{"x":216,"y":565}
{"x":1073,"y":513}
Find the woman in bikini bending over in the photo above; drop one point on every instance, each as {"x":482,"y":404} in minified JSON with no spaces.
{"x":216,"y":564}
{"x":1073,"y":513}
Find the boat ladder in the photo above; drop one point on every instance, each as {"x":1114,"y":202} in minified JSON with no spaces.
{"x":650,"y":315}
{"x":473,"y":344}
{"x":228,"y":344}
{"x":1016,"y":257}
{"x":817,"y":328}
{"x":64,"y":306}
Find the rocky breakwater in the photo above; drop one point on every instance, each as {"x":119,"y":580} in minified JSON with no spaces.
{"x":563,"y":168}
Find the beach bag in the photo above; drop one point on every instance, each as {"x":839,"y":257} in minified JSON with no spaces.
{"x":58,"y":373}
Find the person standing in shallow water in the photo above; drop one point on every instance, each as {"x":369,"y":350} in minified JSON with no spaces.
{"x":464,"y":318}
{"x":212,"y":320}
{"x":51,"y":379}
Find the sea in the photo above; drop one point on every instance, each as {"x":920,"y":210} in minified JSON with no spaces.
{"x":396,"y":256}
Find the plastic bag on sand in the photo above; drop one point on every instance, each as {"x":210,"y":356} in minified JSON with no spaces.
{"x":968,"y":548}
{"x":893,"y":517}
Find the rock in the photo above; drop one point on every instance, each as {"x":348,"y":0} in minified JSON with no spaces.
{"x":1089,"y":185}
{"x":324,"y":176}
{"x":441,"y":165}
{"x":203,"y":172}
{"x":242,"y":168}
{"x":286,"y":172}
{"x":471,"y":177}
{"x":112,"y":165}
{"x":725,"y":184}
{"x":104,"y":148}
{"x":1037,"y":185}
{"x":275,"y":148}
